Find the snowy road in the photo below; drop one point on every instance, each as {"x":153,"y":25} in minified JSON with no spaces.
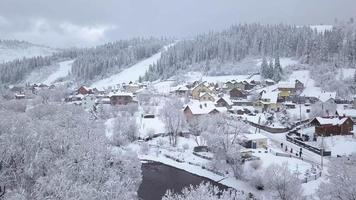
{"x":130,"y":74}
{"x":63,"y":71}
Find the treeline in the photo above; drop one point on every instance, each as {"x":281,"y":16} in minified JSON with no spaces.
{"x":89,"y":63}
{"x":337,"y":45}
{"x":101,"y":60}
{"x":16,"y":70}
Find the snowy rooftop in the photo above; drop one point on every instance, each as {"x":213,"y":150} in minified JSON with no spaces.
{"x":201,"y":107}
{"x":226,"y":99}
{"x":333,"y":121}
{"x":255,"y":136}
{"x":270,"y":96}
{"x":325,"y":96}
{"x":120,"y":94}
{"x":347,"y":112}
{"x":286,"y":85}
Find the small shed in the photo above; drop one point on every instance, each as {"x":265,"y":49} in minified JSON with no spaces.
{"x":254,"y":141}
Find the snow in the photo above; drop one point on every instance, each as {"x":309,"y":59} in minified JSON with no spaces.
{"x":322,"y":28}
{"x":150,"y":126}
{"x":194,"y":76}
{"x":63,"y":71}
{"x":345,"y":73}
{"x":339,"y":145}
{"x":201,"y":108}
{"x":333,"y":121}
{"x":271,"y":97}
{"x":9,"y":53}
{"x":284,"y":61}
{"x":325,"y":96}
{"x":130,"y":74}
{"x":255,"y":136}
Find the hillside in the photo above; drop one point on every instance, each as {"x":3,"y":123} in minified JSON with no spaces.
{"x":13,"y":49}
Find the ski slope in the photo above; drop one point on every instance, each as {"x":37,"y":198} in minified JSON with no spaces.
{"x":63,"y":71}
{"x":130,"y":74}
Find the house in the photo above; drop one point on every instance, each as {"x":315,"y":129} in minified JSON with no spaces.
{"x":347,"y":113}
{"x":181,"y":90}
{"x":241,"y":110}
{"x":327,"y":97}
{"x":224,"y":102}
{"x":88,"y":102}
{"x":269,"y":82}
{"x":236,"y":93}
{"x":131,"y":87}
{"x":121,"y":98}
{"x":84,"y":90}
{"x":269,"y":101}
{"x":200,"y":88}
{"x":207,"y":97}
{"x":20,"y":96}
{"x":197,"y":108}
{"x":332,"y":126}
{"x":248,"y":85}
{"x":254,"y":141}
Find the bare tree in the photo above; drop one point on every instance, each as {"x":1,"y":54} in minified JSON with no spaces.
{"x":282,"y":184}
{"x":204,"y":191}
{"x":173,"y":118}
{"x":341,"y":179}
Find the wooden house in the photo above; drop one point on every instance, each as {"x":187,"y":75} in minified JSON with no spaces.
{"x":121,"y":98}
{"x":207,"y":97}
{"x":223,"y":102}
{"x":85,"y":90}
{"x":332,"y":126}
{"x":236,"y":93}
{"x":197,"y":108}
{"x":200,"y":88}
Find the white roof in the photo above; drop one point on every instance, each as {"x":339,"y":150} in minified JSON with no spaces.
{"x":120,"y":94}
{"x":250,"y":108}
{"x":255,"y":136}
{"x":347,"y":112}
{"x":201,"y":107}
{"x":325,"y":96}
{"x":227,"y":99}
{"x":286,"y":85}
{"x":271,"y":96}
{"x":333,"y":121}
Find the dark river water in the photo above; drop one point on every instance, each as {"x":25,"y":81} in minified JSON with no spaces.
{"x":158,"y":178}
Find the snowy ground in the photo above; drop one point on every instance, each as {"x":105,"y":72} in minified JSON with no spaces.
{"x":130,"y":74}
{"x":62,"y":71}
{"x":339,"y":145}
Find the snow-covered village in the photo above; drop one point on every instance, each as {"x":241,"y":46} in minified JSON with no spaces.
{"x":252,"y":111}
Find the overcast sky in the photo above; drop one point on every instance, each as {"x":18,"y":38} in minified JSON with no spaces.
{"x":64,"y":23}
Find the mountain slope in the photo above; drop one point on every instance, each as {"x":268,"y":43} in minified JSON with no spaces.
{"x":132,"y":73}
{"x":13,"y":49}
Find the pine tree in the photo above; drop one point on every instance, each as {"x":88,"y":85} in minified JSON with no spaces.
{"x":277,"y":70}
{"x":264,"y":68}
{"x":270,"y":69}
{"x":355,"y":76}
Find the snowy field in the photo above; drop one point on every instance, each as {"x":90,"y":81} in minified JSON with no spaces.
{"x":339,"y":145}
{"x":130,"y":74}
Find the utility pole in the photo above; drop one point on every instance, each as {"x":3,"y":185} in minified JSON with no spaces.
{"x":322,"y":152}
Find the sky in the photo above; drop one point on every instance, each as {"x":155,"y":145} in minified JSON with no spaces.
{"x":83,"y":23}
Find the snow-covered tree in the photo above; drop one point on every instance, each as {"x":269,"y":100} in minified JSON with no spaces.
{"x":56,"y":152}
{"x":341,"y":179}
{"x":205,"y":191}
{"x":264,"y":69}
{"x":282,"y":184}
{"x":222,"y":138}
{"x":277,"y":70}
{"x":173,"y":118}
{"x":124,"y":130}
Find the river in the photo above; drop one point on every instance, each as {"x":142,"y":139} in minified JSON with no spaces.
{"x":158,"y":178}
